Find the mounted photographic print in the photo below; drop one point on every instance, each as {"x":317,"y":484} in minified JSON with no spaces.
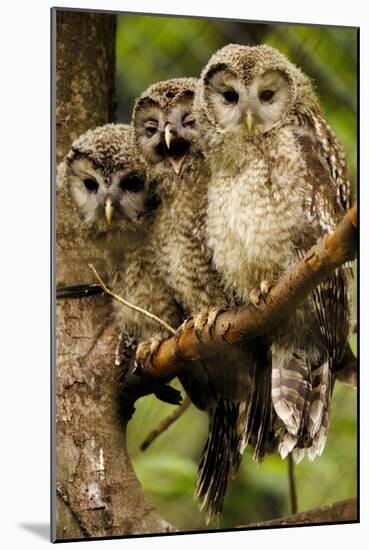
{"x":205,"y":239}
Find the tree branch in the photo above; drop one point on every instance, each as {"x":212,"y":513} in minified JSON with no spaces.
{"x":292,"y":484}
{"x":343,"y":511}
{"x":248,"y":322}
{"x":165,"y":424}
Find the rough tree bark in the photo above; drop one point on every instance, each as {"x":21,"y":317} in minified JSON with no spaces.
{"x":85,"y":46}
{"x":343,"y":511}
{"x":97,"y":494}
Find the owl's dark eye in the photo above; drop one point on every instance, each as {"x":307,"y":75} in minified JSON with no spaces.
{"x":266,"y":95}
{"x":151,"y":127}
{"x":188,"y":121}
{"x":132,"y":184}
{"x":231,"y":96}
{"x":91,"y":184}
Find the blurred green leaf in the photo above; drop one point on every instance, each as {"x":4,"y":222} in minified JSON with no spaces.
{"x":167,"y":475}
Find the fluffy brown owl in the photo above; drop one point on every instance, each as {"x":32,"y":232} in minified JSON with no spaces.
{"x":106,"y":191}
{"x":165,"y":134}
{"x":104,"y":188}
{"x":278,"y":183}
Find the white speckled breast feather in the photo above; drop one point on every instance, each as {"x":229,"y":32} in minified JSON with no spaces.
{"x":259,"y":198}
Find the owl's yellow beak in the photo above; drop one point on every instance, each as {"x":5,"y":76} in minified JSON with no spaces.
{"x":175,"y":155}
{"x":249,"y":122}
{"x":108,"y":211}
{"x":168,"y":136}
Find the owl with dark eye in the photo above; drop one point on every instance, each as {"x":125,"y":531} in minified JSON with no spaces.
{"x":165,"y":134}
{"x":279,"y":181}
{"x":105,"y":182}
{"x":165,"y":138}
{"x":105,"y":190}
{"x":111,"y":207}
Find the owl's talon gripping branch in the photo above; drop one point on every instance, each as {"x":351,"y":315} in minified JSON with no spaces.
{"x":145,"y":353}
{"x":204,"y":323}
{"x":260,"y":292}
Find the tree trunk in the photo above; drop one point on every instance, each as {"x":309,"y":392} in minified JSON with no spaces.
{"x":85,"y":68}
{"x":97,"y":492}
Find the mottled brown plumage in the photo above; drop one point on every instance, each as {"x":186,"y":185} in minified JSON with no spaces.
{"x":278,"y":182}
{"x":182,"y":259}
{"x":102,"y":166}
{"x":101,"y":175}
{"x":177,"y":237}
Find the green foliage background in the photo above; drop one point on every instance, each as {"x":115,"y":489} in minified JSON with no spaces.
{"x":157,"y":48}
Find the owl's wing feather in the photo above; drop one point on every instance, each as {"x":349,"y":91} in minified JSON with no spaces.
{"x":217,"y":457}
{"x":327,"y":175}
{"x":291,"y":390}
{"x":240,"y":410}
{"x":346,"y":371}
{"x":331,"y":154}
{"x":258,"y":416}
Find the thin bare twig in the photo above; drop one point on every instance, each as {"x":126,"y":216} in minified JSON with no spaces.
{"x":128,"y":304}
{"x":292,"y":484}
{"x":165,"y":424}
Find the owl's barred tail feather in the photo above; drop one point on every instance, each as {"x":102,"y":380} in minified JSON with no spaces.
{"x":301,"y":397}
{"x":320,"y":438}
{"x":255,"y":417}
{"x":232,"y":426}
{"x":219,"y":458}
{"x":319,"y":410}
{"x":320,"y":397}
{"x":291,"y":392}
